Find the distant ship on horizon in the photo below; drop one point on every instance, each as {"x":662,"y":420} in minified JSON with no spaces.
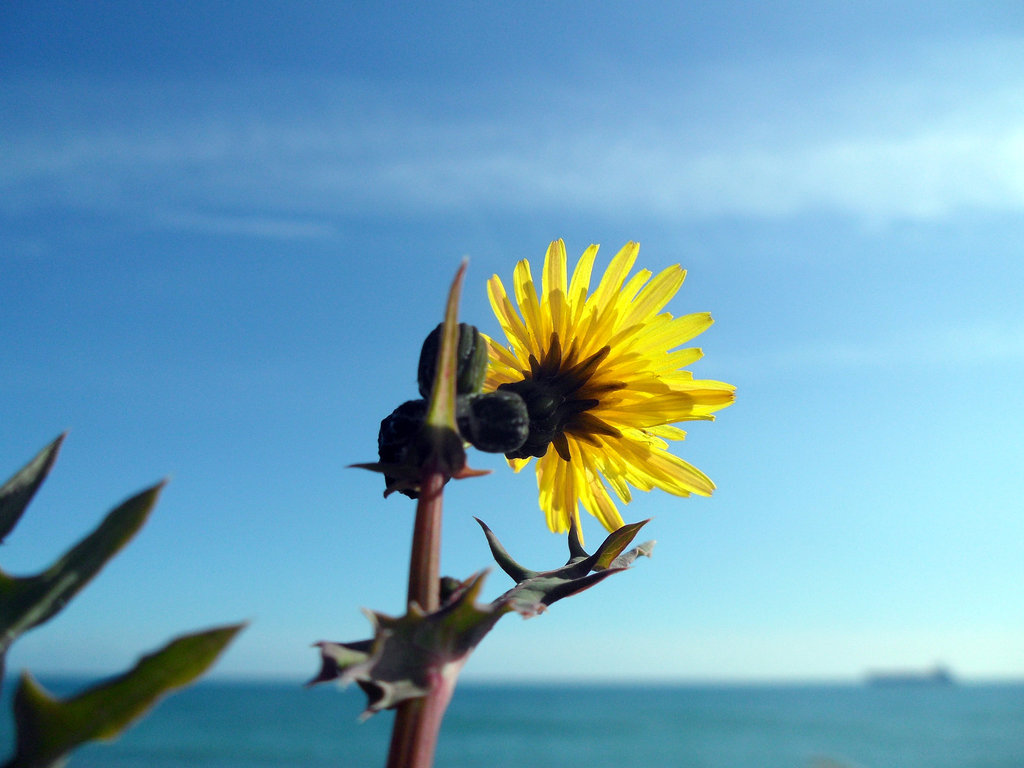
{"x":938,"y":675}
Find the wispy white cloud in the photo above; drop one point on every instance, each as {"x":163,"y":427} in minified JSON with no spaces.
{"x":876,"y":147}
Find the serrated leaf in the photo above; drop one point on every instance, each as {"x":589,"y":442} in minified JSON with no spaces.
{"x":613,"y":545}
{"x":533,"y":596}
{"x":49,"y":728}
{"x":26,"y":602}
{"x":409,"y":655}
{"x":536,"y":590}
{"x":501,"y":556}
{"x":17,"y":492}
{"x":335,"y":658}
{"x":640,"y":550}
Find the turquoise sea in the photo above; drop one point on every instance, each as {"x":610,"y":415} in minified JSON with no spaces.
{"x":232,"y":725}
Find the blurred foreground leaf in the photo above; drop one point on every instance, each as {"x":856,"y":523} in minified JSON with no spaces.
{"x":17,"y":492}
{"x":26,"y":602}
{"x":49,"y":728}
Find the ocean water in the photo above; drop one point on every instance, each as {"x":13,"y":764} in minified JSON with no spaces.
{"x":231,"y":725}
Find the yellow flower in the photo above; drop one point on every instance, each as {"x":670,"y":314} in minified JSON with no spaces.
{"x":602,"y":378}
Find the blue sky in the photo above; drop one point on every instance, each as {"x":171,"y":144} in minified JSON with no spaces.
{"x":224,"y":232}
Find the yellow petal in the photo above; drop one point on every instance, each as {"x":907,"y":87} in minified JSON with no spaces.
{"x":517,"y":464}
{"x":668,"y":432}
{"x":526,"y":297}
{"x":554,"y":269}
{"x":580,"y":284}
{"x":510,"y":322}
{"x":656,"y":295}
{"x":677,"y":331}
{"x":615,"y":275}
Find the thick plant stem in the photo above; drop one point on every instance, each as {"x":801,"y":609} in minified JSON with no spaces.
{"x":425,"y":562}
{"x":417,"y":724}
{"x":418,"y":721}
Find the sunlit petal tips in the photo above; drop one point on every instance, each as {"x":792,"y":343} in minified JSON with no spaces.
{"x":602,"y":376}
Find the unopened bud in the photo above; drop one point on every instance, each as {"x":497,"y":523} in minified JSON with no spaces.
{"x":470,"y":360}
{"x":496,"y":422}
{"x":397,"y":432}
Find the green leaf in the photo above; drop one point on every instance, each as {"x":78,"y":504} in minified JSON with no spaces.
{"x":49,"y":728}
{"x":503,"y":558}
{"x":617,"y":541}
{"x":441,"y":403}
{"x":411,"y":654}
{"x":626,"y":558}
{"x":26,"y":602}
{"x":17,"y":492}
{"x":536,"y":590}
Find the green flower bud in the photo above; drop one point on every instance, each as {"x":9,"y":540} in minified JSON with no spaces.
{"x":397,"y":432}
{"x":496,"y":422}
{"x":470,"y":358}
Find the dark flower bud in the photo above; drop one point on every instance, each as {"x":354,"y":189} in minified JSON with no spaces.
{"x":470,"y":358}
{"x":544,"y":407}
{"x":496,"y":422}
{"x":397,"y":432}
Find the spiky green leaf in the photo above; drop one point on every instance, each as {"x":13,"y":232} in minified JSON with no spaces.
{"x":615,"y":543}
{"x":411,"y":654}
{"x":536,"y":590}
{"x":17,"y":492}
{"x":50,"y":728}
{"x":26,"y":602}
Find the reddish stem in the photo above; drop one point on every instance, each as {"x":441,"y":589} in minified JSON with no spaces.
{"x":418,"y":721}
{"x":425,"y":562}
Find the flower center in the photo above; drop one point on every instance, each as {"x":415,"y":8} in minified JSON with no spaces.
{"x":558,"y":391}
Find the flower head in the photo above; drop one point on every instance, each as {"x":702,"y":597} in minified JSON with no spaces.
{"x":602,"y":377}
